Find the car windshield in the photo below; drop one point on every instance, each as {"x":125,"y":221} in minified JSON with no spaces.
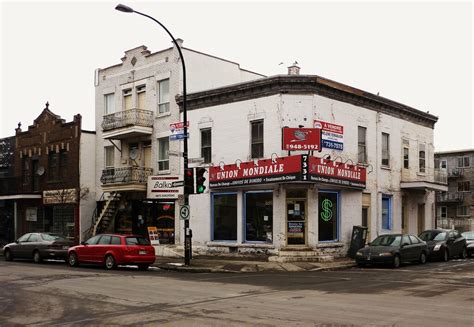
{"x":136,"y":241}
{"x":387,"y":240}
{"x":52,"y":237}
{"x":433,"y":235}
{"x":468,"y":235}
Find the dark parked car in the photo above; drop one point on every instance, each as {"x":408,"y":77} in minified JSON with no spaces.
{"x":112,"y":250}
{"x":38,"y":246}
{"x":469,"y":236}
{"x":393,"y":249}
{"x":444,"y":244}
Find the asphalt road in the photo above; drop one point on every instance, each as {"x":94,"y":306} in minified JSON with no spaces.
{"x":53,"y":294}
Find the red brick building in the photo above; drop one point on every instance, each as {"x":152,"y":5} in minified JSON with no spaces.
{"x":50,"y":195}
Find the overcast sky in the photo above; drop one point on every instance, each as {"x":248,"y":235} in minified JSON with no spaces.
{"x":419,"y":54}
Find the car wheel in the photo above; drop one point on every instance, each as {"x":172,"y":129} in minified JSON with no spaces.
{"x":110,"y":262}
{"x":143,"y":266}
{"x":463,"y":253}
{"x":8,"y":255}
{"x":37,"y":257}
{"x":72,"y":259}
{"x":423,"y":258}
{"x":396,"y":261}
{"x":445,"y":257}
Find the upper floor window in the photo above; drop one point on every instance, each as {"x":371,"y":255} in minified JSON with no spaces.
{"x":422,"y":158}
{"x":463,"y":162}
{"x":163,"y":96}
{"x":463,"y":211}
{"x":362,"y":147}
{"x":141,"y":96}
{"x":26,"y":170}
{"x":63,"y":164}
{"x":464,"y":186}
{"x":443,"y":212}
{"x":53,"y":165}
{"x":206,"y":151}
{"x":109,"y":156}
{"x":385,"y":150}
{"x":406,"y":158}
{"x":127,"y":99}
{"x":443,"y":164}
{"x":163,"y":153}
{"x":109,"y":106}
{"x":257,"y":139}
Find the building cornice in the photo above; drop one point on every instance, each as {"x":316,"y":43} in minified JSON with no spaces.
{"x":305,"y":85}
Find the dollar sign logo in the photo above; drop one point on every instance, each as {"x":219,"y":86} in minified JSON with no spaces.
{"x":326,"y":205}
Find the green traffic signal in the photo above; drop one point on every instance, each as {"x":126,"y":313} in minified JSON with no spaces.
{"x":200,"y":180}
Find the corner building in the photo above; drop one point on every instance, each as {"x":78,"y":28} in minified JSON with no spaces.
{"x":375,"y":167}
{"x":135,"y":106}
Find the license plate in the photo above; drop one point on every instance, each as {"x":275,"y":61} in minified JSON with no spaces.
{"x":142,"y":252}
{"x":65,"y":247}
{"x":368,"y":258}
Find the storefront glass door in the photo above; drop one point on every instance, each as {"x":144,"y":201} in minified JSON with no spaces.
{"x":296,"y":217}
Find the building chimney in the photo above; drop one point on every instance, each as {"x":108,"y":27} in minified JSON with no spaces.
{"x":294,"y":69}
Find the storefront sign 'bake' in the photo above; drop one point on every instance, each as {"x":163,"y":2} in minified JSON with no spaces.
{"x":301,"y":168}
{"x":256,"y":172}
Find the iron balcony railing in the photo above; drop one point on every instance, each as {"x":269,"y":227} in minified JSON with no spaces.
{"x":450,"y":197}
{"x":131,"y":117}
{"x":440,"y":176}
{"x":125,"y":175}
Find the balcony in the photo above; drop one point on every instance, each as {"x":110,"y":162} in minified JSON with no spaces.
{"x":431,"y":179}
{"x":125,"y":178}
{"x":456,"y":173}
{"x":450,"y":197}
{"x":127,"y":123}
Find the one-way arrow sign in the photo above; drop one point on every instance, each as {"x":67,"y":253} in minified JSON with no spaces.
{"x":177,"y":184}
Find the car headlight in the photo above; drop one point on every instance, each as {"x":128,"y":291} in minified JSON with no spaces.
{"x":359,"y":253}
{"x":437,"y":247}
{"x":385,"y":254}
{"x":470,"y":245}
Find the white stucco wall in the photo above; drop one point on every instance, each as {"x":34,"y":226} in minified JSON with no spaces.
{"x":87,"y":180}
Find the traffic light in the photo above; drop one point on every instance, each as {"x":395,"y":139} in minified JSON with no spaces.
{"x":189,"y":181}
{"x":200,"y":179}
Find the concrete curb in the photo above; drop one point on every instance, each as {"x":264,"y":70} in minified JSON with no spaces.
{"x":190,"y":269}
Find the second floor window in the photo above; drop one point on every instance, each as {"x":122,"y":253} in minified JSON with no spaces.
{"x":26,"y":170}
{"x":422,"y":158}
{"x":256,"y":139}
{"x":206,"y":151}
{"x":463,"y":162}
{"x":464,"y":186}
{"x":163,"y":155}
{"x":109,"y":106}
{"x":109,"y":157}
{"x":385,"y":150}
{"x":163,"y":96}
{"x":406,"y":158}
{"x":141,"y":95}
{"x":462,"y":211}
{"x":127,"y":99}
{"x":63,"y":164}
{"x":362,"y":148}
{"x":53,"y":165}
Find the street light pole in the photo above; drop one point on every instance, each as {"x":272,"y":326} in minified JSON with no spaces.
{"x":187,"y":232}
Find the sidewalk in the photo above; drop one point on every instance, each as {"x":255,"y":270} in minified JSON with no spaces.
{"x":234,"y":264}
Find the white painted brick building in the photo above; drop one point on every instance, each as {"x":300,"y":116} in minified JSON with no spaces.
{"x":135,"y":105}
{"x":401,"y":179}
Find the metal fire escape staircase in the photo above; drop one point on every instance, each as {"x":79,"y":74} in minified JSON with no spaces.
{"x":102,"y":218}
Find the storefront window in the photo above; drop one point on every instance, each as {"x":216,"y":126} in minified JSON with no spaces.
{"x":225,"y":217}
{"x":259,"y":216}
{"x":328,"y":216}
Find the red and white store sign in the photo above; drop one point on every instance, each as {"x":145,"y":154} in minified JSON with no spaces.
{"x":256,"y":172}
{"x":332,"y":172}
{"x":301,"y":168}
{"x":301,"y":139}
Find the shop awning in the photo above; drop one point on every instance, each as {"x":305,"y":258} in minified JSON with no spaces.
{"x":423,"y":186}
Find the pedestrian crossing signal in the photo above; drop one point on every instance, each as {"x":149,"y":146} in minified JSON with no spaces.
{"x":189,"y":181}
{"x":200,"y":180}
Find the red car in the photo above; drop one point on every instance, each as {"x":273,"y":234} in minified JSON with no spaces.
{"x":112,"y":250}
